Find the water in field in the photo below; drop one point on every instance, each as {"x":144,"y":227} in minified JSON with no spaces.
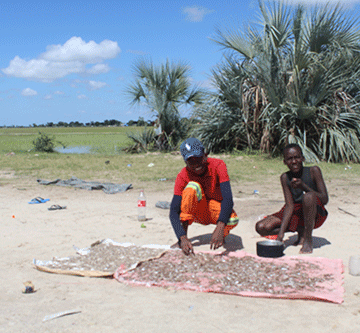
{"x":74,"y":150}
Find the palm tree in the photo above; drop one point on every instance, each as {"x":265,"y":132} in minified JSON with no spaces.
{"x":225,"y":118}
{"x":165,"y":89}
{"x":298,"y":81}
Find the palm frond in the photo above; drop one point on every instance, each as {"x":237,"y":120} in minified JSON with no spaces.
{"x":297,"y":77}
{"x":142,"y":140}
{"x":164,"y":89}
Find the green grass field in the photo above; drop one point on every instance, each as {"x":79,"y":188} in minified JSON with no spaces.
{"x":106,"y":144}
{"x":106,"y":140}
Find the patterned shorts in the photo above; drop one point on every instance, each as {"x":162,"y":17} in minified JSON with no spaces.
{"x":297,"y":218}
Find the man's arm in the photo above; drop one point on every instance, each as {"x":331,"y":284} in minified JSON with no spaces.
{"x":184,"y":242}
{"x":227,"y":204}
{"x":175,"y":216}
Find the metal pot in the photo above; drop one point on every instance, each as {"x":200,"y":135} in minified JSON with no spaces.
{"x":270,"y":248}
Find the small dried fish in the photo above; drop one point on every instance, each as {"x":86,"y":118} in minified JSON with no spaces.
{"x":230,"y":274}
{"x":105,"y":257}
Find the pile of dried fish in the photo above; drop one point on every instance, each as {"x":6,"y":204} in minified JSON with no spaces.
{"x":105,"y":257}
{"x":228,"y":273}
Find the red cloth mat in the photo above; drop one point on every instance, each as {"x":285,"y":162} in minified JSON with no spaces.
{"x":242,"y":274}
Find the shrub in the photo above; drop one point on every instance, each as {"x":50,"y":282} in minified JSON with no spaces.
{"x":44,"y":143}
{"x":142,"y":141}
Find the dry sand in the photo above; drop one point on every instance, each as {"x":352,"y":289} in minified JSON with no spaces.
{"x":32,"y":231}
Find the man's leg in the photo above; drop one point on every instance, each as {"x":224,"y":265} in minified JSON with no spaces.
{"x":194,"y":206}
{"x":215,"y":208}
{"x":232,"y":223}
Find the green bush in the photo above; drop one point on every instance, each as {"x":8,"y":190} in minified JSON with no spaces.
{"x":44,"y":143}
{"x":142,"y":140}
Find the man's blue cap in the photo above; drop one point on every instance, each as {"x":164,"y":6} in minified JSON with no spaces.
{"x":191,"y":148}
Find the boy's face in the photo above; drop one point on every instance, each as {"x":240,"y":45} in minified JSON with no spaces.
{"x":197,"y":165}
{"x":294,"y":159}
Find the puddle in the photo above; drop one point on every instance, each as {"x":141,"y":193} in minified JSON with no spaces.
{"x":74,"y":150}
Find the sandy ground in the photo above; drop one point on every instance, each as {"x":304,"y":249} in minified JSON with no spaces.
{"x":32,"y":231}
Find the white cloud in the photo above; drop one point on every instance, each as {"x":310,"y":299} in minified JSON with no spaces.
{"x":90,"y":85}
{"x":50,"y":96}
{"x":81,"y":97}
{"x":196,"y":14}
{"x":98,"y":69}
{"x":29,"y":92}
{"x":95,"y":85}
{"x":61,"y":60}
{"x":75,"y":49}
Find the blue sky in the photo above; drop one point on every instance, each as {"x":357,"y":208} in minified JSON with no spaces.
{"x":72,"y":61}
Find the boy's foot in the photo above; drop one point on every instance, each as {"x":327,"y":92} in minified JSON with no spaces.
{"x":306,"y":248}
{"x":300,"y":239}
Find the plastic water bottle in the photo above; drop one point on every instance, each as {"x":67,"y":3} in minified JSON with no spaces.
{"x":142,"y":206}
{"x":354,"y":265}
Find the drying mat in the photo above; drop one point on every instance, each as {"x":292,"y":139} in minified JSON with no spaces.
{"x":240,"y":273}
{"x":102,"y":259}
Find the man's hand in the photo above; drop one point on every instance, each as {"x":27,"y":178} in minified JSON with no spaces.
{"x":217,"y":238}
{"x":186,"y":245}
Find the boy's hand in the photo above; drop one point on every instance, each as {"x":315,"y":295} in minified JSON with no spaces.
{"x":280,"y":236}
{"x":186,"y":245}
{"x":217,"y":238}
{"x":296,"y":183}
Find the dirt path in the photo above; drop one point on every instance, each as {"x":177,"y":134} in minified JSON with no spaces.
{"x":32,"y":231}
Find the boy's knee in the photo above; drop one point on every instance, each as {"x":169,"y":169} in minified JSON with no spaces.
{"x":309,"y":198}
{"x":260,"y":228}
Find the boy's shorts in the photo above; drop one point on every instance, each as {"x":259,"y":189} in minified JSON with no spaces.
{"x":297,"y":218}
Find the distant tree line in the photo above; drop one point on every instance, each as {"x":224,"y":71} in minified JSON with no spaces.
{"x":112,"y":122}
